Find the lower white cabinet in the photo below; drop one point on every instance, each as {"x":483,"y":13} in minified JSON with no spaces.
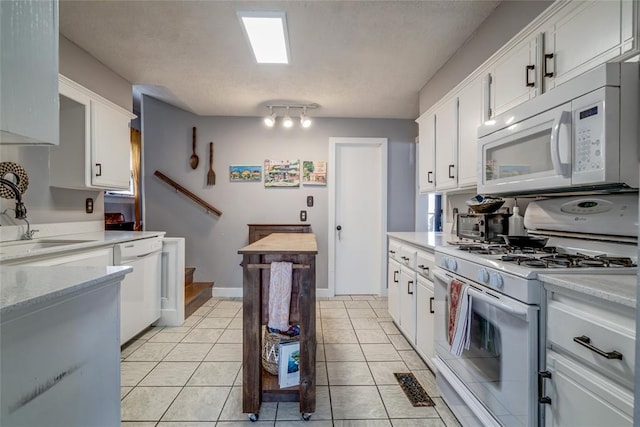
{"x":590,"y":363}
{"x":94,"y":150}
{"x":424,"y":319}
{"x":408,"y":304}
{"x":393,"y":289}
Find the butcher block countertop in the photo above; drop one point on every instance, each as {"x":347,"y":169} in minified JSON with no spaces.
{"x":283,"y":243}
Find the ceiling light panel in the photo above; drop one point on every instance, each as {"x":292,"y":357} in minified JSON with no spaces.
{"x":267,"y":35}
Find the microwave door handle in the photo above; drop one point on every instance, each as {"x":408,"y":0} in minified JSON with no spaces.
{"x":556,"y":156}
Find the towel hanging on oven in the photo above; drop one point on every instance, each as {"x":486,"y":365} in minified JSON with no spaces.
{"x":280,"y":295}
{"x":459,"y":317}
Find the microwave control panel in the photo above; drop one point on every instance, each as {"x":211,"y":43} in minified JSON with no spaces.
{"x":588,"y":136}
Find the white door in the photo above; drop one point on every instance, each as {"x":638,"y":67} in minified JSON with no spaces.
{"x":357,"y":215}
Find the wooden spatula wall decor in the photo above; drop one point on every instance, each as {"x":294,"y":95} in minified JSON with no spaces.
{"x":211,"y":175}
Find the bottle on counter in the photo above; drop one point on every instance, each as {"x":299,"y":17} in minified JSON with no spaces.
{"x":516,"y":223}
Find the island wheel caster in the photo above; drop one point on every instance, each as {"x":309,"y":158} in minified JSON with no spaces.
{"x":306,"y":416}
{"x":253,"y":417}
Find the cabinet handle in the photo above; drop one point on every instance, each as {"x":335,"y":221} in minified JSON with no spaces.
{"x":451,"y":173}
{"x":528,"y":68}
{"x":404,"y":258}
{"x":99,"y":169}
{"x":392,"y":252}
{"x":586,"y":342}
{"x":547,"y":56}
{"x":541,"y":398}
{"x":395,"y":276}
{"x":423,"y":268}
{"x":409,"y":283}
{"x":430,"y":177}
{"x":431,"y":305}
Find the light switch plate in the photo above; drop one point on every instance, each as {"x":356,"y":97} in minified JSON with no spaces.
{"x":309,"y":201}
{"x":303,"y":216}
{"x":88,"y":205}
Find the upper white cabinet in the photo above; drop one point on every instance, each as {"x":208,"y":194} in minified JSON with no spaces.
{"x":447,"y":145}
{"x":584,"y":36}
{"x":471,"y":107}
{"x":29,"y":72}
{"x":514,"y":77}
{"x":94,"y":149}
{"x":426,"y":153}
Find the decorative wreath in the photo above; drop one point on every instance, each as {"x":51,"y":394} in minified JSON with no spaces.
{"x":21,"y":179}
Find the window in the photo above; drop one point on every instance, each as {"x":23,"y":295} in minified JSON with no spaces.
{"x":434,"y":212}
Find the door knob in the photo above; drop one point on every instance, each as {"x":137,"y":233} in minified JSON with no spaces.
{"x":339,"y":228}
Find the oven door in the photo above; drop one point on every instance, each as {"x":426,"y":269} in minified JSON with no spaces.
{"x":530,"y":155}
{"x":499,"y":369}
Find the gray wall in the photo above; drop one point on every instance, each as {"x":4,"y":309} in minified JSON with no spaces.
{"x":504,"y":22}
{"x":211,"y":242}
{"x":50,"y":205}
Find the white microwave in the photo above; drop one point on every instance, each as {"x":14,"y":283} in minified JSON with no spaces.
{"x":582,"y":135}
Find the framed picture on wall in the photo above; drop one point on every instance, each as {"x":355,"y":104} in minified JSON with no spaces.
{"x":314,"y":172}
{"x":244,"y":173}
{"x":282,"y":173}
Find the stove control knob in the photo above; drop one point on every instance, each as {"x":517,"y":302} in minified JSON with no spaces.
{"x":452,"y":264}
{"x":483,"y":275}
{"x":496,"y":281}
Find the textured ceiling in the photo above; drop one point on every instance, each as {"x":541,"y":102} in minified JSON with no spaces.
{"x":354,"y":58}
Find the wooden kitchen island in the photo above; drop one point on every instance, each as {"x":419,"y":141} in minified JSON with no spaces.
{"x":257,"y":384}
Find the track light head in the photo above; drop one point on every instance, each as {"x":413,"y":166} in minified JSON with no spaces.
{"x":287,"y":122}
{"x":270,"y":120}
{"x":305,"y":121}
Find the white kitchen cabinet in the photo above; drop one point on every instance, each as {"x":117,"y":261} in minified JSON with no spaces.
{"x":424,"y":319}
{"x":407,"y":292}
{"x":578,"y":39}
{"x":514,"y":77}
{"x":447,"y":145}
{"x":426,"y":153}
{"x":590,"y":362}
{"x":29,"y":72}
{"x":94,"y":149}
{"x":393,"y":291}
{"x":470,"y":112}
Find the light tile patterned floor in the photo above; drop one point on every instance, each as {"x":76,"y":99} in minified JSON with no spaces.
{"x":192,"y":375}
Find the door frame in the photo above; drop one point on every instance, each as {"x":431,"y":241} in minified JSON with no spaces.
{"x":381,"y":143}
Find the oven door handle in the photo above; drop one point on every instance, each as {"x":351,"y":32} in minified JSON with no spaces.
{"x":486,"y":298}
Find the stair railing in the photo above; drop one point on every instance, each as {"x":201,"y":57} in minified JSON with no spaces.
{"x":180,"y":189}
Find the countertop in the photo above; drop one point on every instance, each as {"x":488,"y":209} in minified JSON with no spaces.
{"x":425,"y":239}
{"x":283,"y":243}
{"x":25,"y":287}
{"x":85,"y":240}
{"x":620,"y":289}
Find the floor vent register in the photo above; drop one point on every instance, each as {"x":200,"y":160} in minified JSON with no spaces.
{"x":414,"y":391}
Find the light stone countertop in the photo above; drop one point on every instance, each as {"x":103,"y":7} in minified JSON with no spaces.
{"x":86,"y":240}
{"x":427,"y":240}
{"x":620,"y":289}
{"x":24,"y":287}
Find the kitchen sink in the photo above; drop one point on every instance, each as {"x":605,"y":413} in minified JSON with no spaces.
{"x":28,"y":246}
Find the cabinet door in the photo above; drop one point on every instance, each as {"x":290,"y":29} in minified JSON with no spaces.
{"x":580,"y":40}
{"x":407,"y":291}
{"x":110,"y":147}
{"x":469,"y":119}
{"x":424,"y":319}
{"x":447,"y":145}
{"x":581,"y":397}
{"x":393,"y":291}
{"x":426,"y":153}
{"x":29,"y":70}
{"x":513,"y":77}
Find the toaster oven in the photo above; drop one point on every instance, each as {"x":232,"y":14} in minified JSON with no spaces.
{"x":484,"y":227}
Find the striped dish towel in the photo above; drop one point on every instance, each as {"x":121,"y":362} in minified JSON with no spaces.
{"x":279,"y":295}
{"x":459,"y":317}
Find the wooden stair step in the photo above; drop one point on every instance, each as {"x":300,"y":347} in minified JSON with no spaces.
{"x":195,"y":295}
{"x":188,"y":275}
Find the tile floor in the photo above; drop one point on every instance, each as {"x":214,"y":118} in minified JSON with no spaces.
{"x":191,"y":375}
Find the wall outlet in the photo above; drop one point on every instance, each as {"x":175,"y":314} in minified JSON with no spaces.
{"x":303,"y":216}
{"x":88,"y":205}
{"x":310,"y":201}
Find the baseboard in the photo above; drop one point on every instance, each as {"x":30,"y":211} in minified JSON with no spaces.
{"x":237,"y":292}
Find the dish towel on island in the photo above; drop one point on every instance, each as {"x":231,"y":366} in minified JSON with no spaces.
{"x":459,"y":317}
{"x":280,"y":295}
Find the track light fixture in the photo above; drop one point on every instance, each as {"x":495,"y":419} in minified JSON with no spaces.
{"x":287,"y":121}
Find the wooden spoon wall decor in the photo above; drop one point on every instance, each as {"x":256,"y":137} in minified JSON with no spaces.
{"x":193,"y":160}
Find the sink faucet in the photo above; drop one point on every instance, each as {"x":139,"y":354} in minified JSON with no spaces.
{"x":28,"y":235}
{"x":21,"y":209}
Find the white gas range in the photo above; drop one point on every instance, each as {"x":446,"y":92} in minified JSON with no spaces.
{"x":494,"y":382}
